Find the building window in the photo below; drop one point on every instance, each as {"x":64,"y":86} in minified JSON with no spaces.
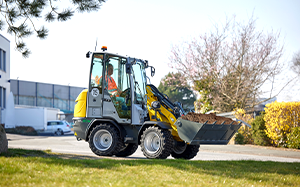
{"x":26,"y":100}
{"x":2,"y":59}
{"x":44,"y":102}
{"x":15,"y":100}
{"x":61,"y":104}
{"x":2,"y":97}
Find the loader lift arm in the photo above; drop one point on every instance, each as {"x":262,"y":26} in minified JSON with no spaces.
{"x":174,"y":108}
{"x":184,"y":130}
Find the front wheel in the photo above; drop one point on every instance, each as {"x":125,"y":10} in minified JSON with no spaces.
{"x":156,"y":143}
{"x":59,"y":132}
{"x":185,"y":152}
{"x":105,"y":140}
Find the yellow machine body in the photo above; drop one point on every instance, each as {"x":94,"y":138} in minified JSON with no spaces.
{"x":117,"y":125}
{"x":80,"y":106}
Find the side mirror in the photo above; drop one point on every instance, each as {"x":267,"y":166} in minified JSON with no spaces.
{"x":146,"y":64}
{"x":152,"y":71}
{"x":88,"y":54}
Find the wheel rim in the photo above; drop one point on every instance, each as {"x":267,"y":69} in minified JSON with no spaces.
{"x":102,"y":140}
{"x":152,"y":142}
{"x":179,"y":149}
{"x":58,"y":133}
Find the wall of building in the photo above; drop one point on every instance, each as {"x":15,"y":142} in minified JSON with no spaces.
{"x":44,"y":95}
{"x":4,"y":72}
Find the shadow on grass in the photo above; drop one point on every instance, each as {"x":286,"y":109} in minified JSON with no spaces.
{"x":232,"y":169}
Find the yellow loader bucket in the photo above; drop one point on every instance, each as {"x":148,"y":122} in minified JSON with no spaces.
{"x":203,"y":133}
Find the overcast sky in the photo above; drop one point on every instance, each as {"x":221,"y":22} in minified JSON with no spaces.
{"x":145,"y":30}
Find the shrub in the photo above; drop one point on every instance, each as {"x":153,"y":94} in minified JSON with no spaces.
{"x":293,"y":138}
{"x":244,"y":131}
{"x":239,"y":139}
{"x":280,"y":118}
{"x":259,"y":135}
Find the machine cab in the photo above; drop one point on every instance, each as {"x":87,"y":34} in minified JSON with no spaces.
{"x":113,"y":79}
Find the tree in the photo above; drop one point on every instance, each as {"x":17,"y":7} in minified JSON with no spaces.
{"x":177,"y":89}
{"x":21,"y":16}
{"x":3,"y":140}
{"x":230,"y":64}
{"x":296,"y":63}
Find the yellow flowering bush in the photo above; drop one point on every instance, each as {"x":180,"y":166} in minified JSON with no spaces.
{"x":244,"y":133}
{"x":241,"y":114}
{"x":281,"y":118}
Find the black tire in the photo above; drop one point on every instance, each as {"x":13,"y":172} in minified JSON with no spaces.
{"x":156,"y":143}
{"x":59,"y":132}
{"x":189,"y":152}
{"x":105,"y":140}
{"x":128,"y":150}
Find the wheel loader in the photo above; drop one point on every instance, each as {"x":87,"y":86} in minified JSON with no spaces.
{"x":119,"y":112}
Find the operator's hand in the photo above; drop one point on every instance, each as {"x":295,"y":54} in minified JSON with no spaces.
{"x":119,"y":91}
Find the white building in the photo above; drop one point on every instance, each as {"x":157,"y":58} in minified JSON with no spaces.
{"x":4,"y":72}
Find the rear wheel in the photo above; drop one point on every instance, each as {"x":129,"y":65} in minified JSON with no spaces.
{"x":156,"y":143}
{"x":185,"y":151}
{"x":179,"y":147}
{"x":105,"y":140}
{"x":128,"y":150}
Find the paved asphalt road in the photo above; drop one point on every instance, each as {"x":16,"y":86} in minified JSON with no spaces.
{"x":69,"y":144}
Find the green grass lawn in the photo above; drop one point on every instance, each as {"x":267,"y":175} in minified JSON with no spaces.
{"x":43,"y":168}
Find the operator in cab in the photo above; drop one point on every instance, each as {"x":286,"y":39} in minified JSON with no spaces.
{"x":111,"y":84}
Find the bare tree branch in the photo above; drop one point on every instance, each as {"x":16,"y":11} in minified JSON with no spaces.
{"x":230,"y":64}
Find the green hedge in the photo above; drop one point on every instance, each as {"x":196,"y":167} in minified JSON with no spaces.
{"x":258,"y":131}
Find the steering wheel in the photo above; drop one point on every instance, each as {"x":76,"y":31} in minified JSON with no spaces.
{"x":126,"y":94}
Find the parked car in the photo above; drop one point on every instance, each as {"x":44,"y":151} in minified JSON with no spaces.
{"x":58,"y":127}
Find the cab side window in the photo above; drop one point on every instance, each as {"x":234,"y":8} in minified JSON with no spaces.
{"x":96,"y":72}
